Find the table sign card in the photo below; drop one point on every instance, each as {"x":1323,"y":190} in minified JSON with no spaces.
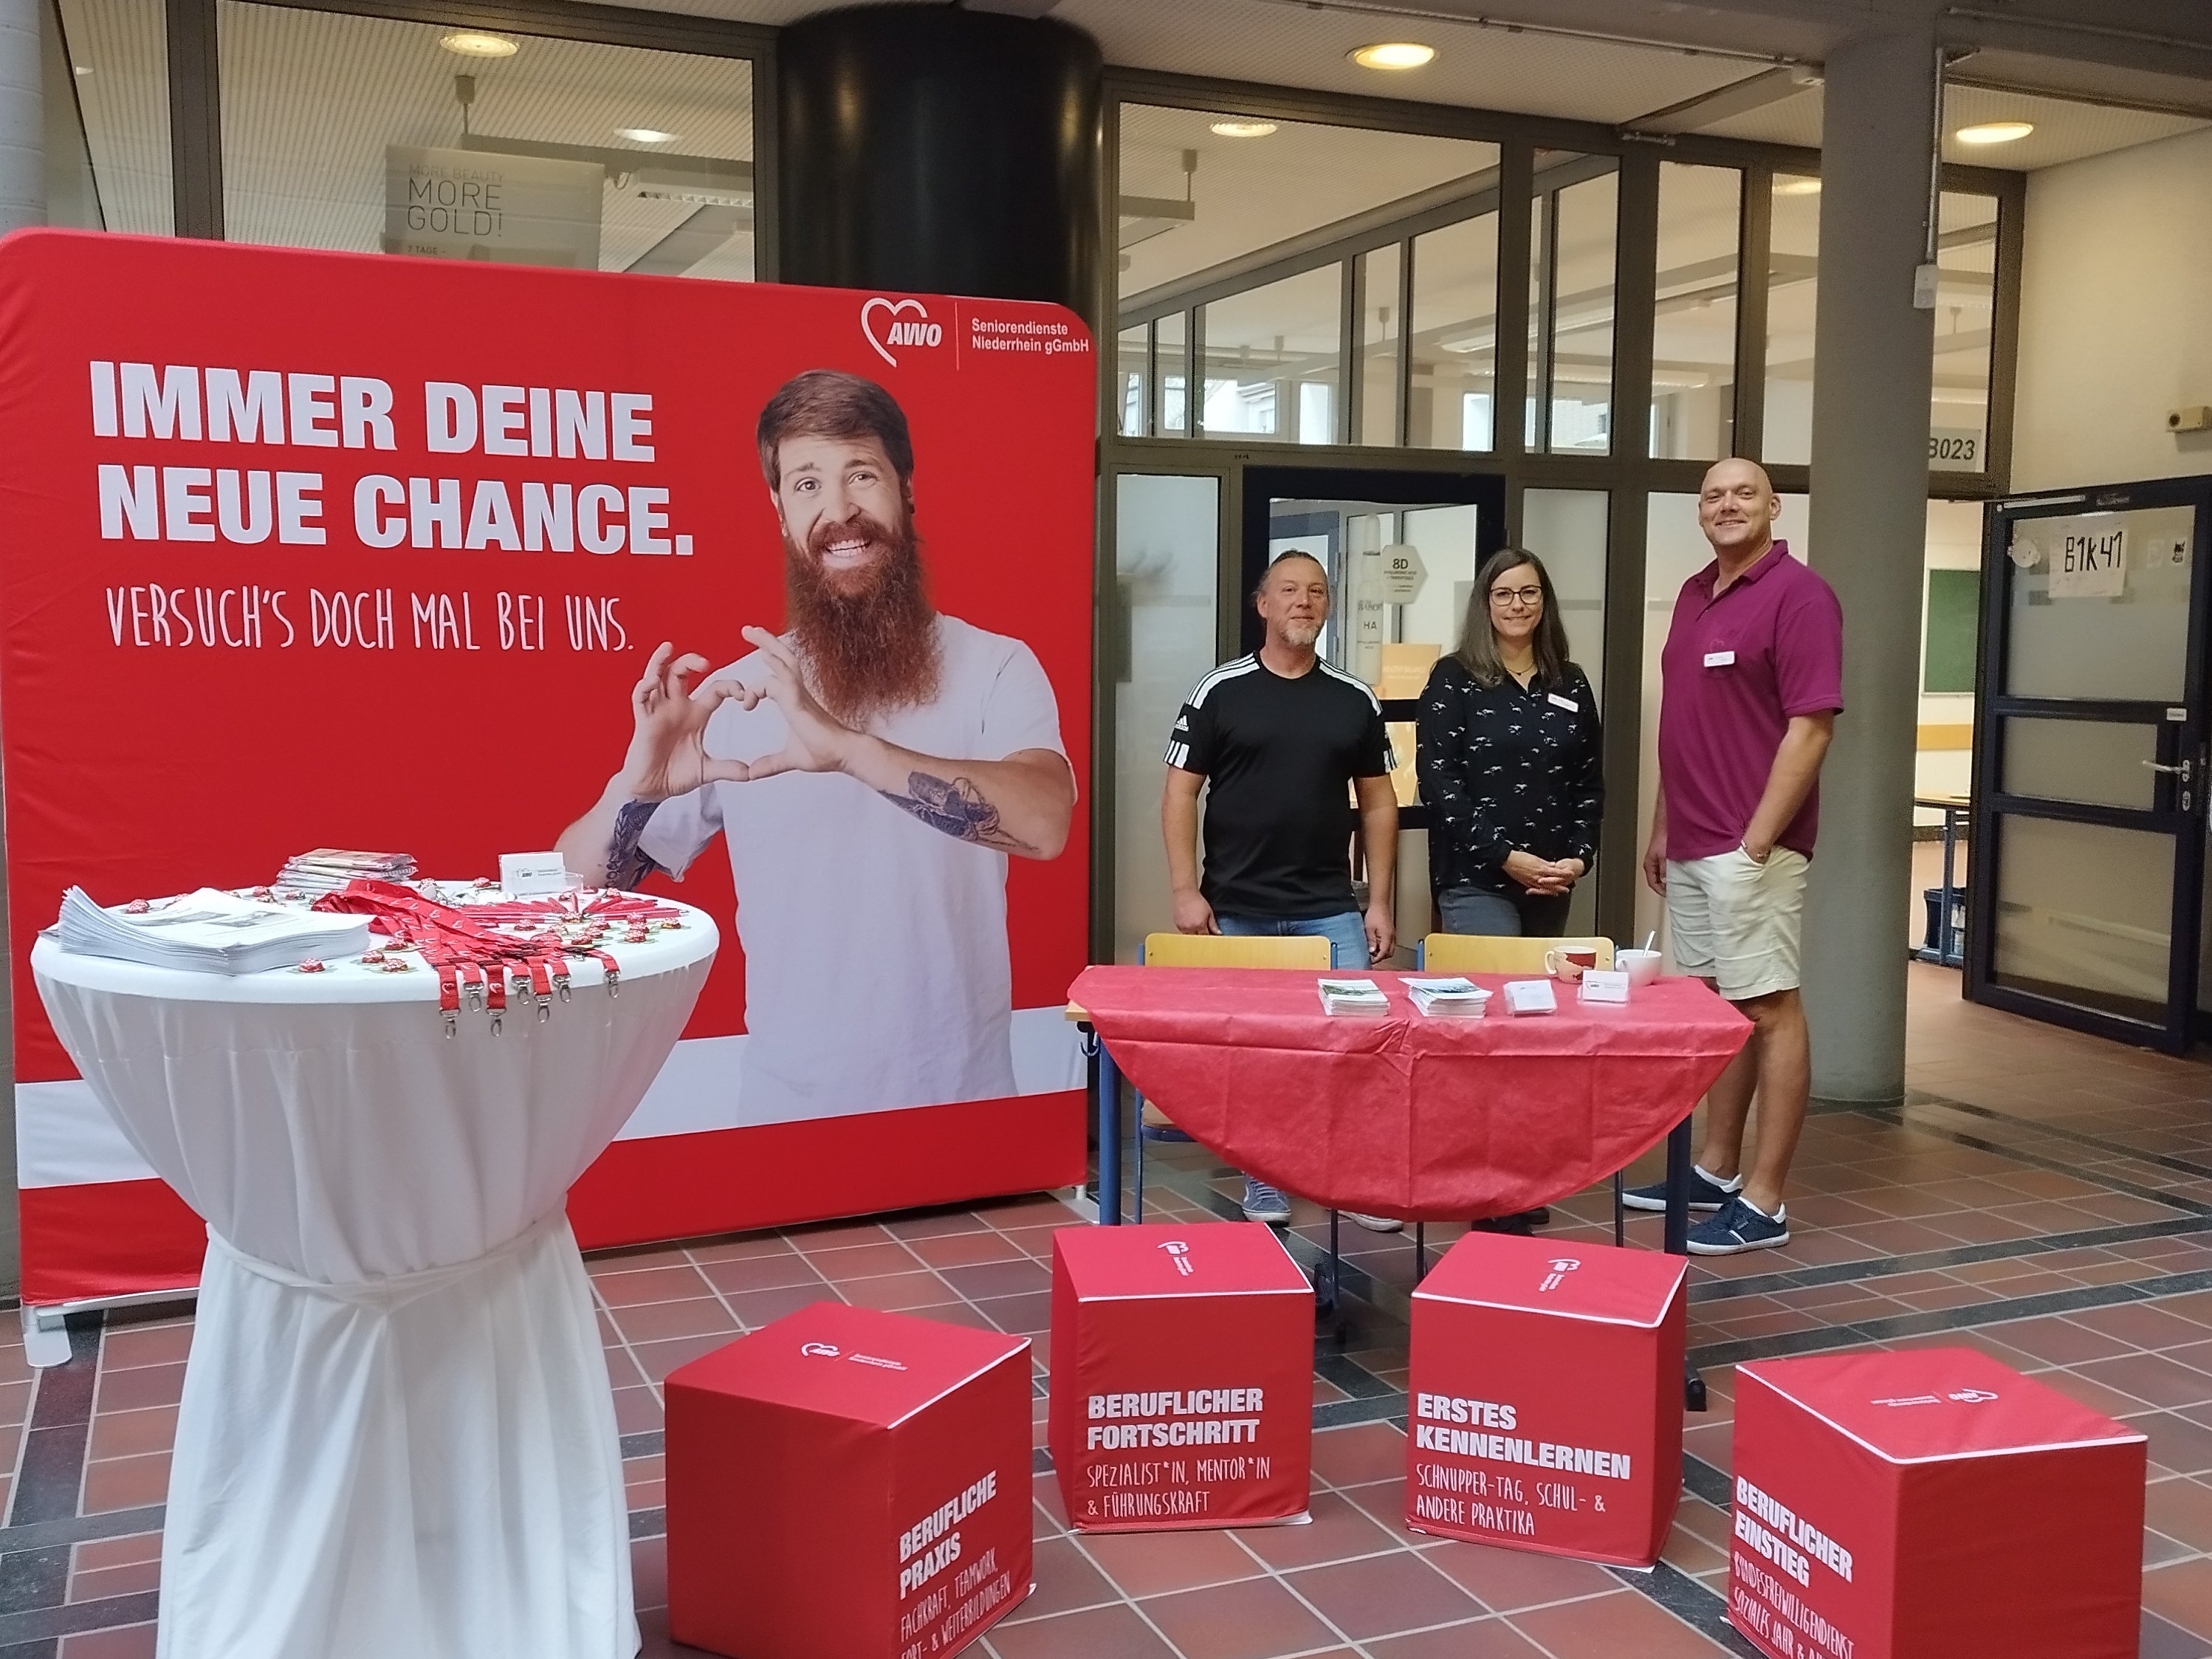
{"x":526,"y":874}
{"x":1604,"y":985}
{"x":1530,"y":996}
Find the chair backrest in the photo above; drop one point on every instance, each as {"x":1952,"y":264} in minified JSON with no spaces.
{"x":1491,"y":953}
{"x":1221,"y":950}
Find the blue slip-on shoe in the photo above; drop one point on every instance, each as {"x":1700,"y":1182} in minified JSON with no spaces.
{"x":1739,"y":1228}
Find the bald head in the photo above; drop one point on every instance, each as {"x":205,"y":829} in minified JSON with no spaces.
{"x":1737,"y":509}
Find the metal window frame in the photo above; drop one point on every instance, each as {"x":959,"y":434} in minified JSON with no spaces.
{"x":196,"y":88}
{"x":1629,"y":474}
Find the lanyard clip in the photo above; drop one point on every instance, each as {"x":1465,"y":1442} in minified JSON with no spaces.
{"x":450,"y":1022}
{"x":614,"y":980}
{"x":560,"y":983}
{"x":495,"y":1014}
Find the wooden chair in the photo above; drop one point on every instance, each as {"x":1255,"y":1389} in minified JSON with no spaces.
{"x":1490,"y":953}
{"x":1486,"y":953}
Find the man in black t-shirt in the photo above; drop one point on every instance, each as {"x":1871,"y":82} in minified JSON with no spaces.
{"x":1284,"y":740}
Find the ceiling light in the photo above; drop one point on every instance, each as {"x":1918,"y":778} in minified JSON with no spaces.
{"x":81,"y":69}
{"x":475,"y":43}
{"x":1993,"y":132}
{"x":1242,"y":129}
{"x":1796,"y":187}
{"x":1393,"y":55}
{"x":645,"y":134}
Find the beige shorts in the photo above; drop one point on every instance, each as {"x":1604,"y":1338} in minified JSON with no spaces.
{"x":1736,"y":922}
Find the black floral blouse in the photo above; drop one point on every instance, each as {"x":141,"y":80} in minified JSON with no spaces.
{"x":1504,"y":769}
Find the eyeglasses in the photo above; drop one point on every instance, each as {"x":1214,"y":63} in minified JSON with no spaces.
{"x":1527,"y":596}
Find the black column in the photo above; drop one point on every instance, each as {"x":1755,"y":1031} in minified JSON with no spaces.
{"x":940,"y":150}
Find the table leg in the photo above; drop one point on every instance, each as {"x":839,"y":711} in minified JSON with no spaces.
{"x":1110,"y":1140}
{"x":1678,"y":1157}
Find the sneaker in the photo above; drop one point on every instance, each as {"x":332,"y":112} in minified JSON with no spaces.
{"x":1707,"y":1195}
{"x":1375,"y":1224}
{"x":1739,"y":1228}
{"x":1265,"y":1203}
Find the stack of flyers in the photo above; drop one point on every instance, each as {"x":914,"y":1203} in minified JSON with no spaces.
{"x":209,"y":931}
{"x":1352,"y":996}
{"x":327,"y":869}
{"x":1461,"y":998}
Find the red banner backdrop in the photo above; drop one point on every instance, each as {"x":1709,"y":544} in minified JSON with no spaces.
{"x":323,"y":550}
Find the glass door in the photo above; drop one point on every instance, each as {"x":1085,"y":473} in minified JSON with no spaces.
{"x":2087,"y":885}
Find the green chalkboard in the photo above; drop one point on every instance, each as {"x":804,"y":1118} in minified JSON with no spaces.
{"x":1954,"y":619}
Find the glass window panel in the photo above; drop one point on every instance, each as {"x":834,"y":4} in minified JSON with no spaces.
{"x":1455,"y":336}
{"x":1693,"y":332}
{"x":1792,"y":295}
{"x":1171,"y":360}
{"x":1542,"y":209}
{"x":1965,"y":299}
{"x":1581,"y":355}
{"x":118,"y":57}
{"x":1381,"y":328}
{"x":2085,"y":914}
{"x":1200,"y":188}
{"x":1272,"y":360}
{"x":2102,"y":762}
{"x":1131,"y":380}
{"x":2131,"y":644}
{"x":1166,"y":532}
{"x":362,"y":133}
{"x":1566,"y":529}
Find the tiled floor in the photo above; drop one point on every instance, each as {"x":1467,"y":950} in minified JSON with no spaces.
{"x":2045,"y":1197}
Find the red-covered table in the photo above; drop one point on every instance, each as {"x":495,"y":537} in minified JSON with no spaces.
{"x":1400,"y":1115}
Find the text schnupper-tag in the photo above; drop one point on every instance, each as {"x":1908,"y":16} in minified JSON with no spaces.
{"x":1720,"y":659}
{"x":527,"y":873}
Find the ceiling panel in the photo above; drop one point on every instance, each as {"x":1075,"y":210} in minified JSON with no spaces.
{"x":2065,"y":131}
{"x":1250,"y":193}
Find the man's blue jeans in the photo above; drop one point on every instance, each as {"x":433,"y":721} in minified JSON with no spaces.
{"x":1345,"y":932}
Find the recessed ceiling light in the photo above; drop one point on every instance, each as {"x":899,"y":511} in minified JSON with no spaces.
{"x":81,"y":69}
{"x":475,"y":43}
{"x":1242,"y":129}
{"x":1799,"y":186}
{"x":1393,"y":55}
{"x":645,"y":134}
{"x":1993,"y":132}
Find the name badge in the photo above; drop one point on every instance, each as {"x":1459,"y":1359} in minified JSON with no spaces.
{"x":1720,"y":659}
{"x":1559,"y":702}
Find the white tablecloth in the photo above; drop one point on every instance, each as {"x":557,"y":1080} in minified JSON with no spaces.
{"x":396,"y":1440}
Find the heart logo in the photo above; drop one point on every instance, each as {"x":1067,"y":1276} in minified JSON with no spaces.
{"x":890,"y":309}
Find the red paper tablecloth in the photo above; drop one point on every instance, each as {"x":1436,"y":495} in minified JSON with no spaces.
{"x":1430,"y":1120}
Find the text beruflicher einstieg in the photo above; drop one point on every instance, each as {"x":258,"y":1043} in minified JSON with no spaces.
{"x":188,"y":496}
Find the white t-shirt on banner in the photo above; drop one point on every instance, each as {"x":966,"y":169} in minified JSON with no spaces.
{"x":876,"y":961}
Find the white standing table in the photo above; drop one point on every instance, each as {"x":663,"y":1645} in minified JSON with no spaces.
{"x":397,"y":1439}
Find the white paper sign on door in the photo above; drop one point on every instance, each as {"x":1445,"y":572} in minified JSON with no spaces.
{"x":2088,"y":557}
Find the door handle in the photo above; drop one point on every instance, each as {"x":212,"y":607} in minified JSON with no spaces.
{"x":2184,"y":769}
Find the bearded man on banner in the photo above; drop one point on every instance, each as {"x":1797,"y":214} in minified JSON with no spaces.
{"x":870,"y":770}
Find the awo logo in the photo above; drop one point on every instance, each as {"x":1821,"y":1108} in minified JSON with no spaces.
{"x":1179,"y":1253}
{"x":1561,"y":1266}
{"x":889,"y":323}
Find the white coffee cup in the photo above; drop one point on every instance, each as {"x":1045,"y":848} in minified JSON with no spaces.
{"x":1641,"y":967}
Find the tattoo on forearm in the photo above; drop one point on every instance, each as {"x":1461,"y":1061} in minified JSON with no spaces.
{"x":957,"y":807}
{"x":626,"y":865}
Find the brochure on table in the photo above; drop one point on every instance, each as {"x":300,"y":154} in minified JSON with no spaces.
{"x":293,"y":560}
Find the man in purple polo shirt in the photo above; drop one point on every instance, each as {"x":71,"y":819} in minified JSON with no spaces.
{"x":1750,"y":683}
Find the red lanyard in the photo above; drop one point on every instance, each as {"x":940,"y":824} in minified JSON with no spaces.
{"x":473,"y":958}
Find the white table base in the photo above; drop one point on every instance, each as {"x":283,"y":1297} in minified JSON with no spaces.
{"x":299,"y":1523}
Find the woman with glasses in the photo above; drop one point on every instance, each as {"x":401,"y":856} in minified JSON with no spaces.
{"x":1510,"y":753}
